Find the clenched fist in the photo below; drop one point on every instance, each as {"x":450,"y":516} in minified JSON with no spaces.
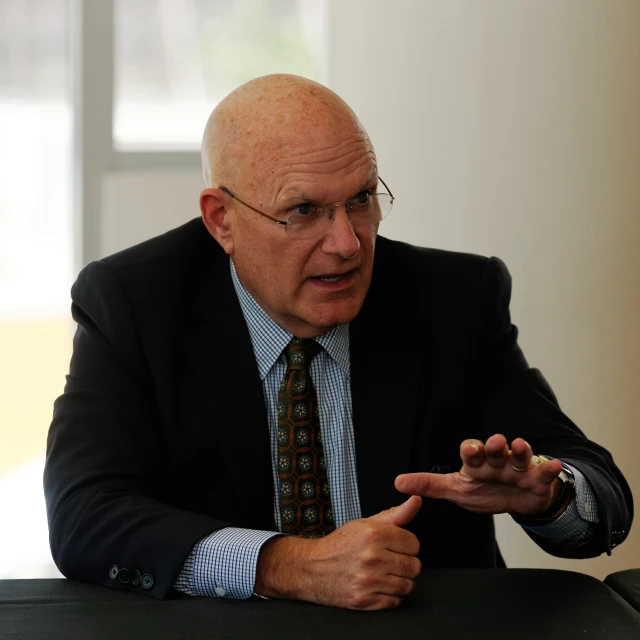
{"x":366,"y":564}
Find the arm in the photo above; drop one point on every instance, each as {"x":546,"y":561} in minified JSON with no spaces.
{"x":515,"y":402}
{"x":223,"y":564}
{"x":574,"y":524}
{"x":366,"y":564}
{"x":105,"y":480}
{"x":103,"y":474}
{"x":518,"y":402}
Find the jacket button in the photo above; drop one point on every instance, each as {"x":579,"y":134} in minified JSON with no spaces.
{"x":124,"y":575}
{"x":147,"y":581}
{"x":113,"y":572}
{"x":135,"y":581}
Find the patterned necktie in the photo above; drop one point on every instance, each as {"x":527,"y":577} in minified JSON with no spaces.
{"x":305,"y":500}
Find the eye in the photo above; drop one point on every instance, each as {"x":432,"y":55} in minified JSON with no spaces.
{"x":361,"y":200}
{"x":304,"y":210}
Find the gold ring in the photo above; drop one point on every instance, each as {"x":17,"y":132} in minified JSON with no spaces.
{"x":535,"y":460}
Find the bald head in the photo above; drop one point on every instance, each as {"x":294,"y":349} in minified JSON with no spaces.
{"x":257,"y":124}
{"x":281,"y":145}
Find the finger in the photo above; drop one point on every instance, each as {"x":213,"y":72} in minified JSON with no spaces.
{"x":539,"y":474}
{"x":496,"y":451}
{"x":472,"y":453}
{"x":546,"y":472}
{"x":401,"y":541}
{"x":427,"y":485}
{"x":405,"y":566}
{"x":521,"y":454}
{"x":402,"y":514}
{"x":378,"y":602}
{"x":396,"y":586}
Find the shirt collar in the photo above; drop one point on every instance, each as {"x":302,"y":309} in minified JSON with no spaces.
{"x":269,"y":339}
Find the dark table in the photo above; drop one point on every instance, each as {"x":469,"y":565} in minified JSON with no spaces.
{"x":518,"y":604}
{"x":627,"y":584}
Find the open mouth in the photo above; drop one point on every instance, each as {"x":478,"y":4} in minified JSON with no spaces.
{"x":334,"y":278}
{"x":330,"y":278}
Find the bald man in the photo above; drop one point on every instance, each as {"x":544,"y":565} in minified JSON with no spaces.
{"x":251,"y":394}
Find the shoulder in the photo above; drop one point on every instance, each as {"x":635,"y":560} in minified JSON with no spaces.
{"x":185,"y":240}
{"x":435,"y":270}
{"x":161,"y":273}
{"x":169,"y":256}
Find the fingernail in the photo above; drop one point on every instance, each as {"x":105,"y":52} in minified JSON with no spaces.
{"x":474,"y":445}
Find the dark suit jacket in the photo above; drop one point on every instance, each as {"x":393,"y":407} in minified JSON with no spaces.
{"x":161,"y":434}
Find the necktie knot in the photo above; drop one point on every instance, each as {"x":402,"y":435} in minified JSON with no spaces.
{"x":299,"y":353}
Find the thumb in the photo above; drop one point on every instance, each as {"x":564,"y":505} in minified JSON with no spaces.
{"x":400,"y":515}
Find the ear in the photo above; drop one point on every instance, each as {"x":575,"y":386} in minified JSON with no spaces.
{"x":216,"y":217}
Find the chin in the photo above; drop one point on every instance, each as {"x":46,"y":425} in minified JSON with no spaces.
{"x":334,"y":315}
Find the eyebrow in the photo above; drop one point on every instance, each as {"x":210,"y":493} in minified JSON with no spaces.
{"x":298,"y":197}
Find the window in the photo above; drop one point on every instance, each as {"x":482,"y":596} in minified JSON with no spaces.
{"x":36,"y":263}
{"x":172,"y":61}
{"x":175,"y":59}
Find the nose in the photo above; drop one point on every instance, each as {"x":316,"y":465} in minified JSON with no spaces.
{"x":340,"y":238}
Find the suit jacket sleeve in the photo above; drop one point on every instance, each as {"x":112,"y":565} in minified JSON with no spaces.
{"x":104,"y":454}
{"x":517,"y":401}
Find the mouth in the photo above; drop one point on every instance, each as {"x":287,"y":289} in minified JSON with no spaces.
{"x":334,"y":279}
{"x":330,"y":278}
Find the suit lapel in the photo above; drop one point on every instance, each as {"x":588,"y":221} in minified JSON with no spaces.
{"x":385,"y":372}
{"x":222,"y":356}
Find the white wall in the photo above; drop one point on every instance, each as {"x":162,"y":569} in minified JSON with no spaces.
{"x":141,"y":204}
{"x":509,"y":128}
{"x":512,"y":128}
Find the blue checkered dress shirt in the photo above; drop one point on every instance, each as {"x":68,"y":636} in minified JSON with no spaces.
{"x":224,"y":563}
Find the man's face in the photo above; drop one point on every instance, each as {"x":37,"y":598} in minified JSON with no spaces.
{"x":306,"y":285}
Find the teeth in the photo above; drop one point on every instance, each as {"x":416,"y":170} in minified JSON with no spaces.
{"x":331,"y":278}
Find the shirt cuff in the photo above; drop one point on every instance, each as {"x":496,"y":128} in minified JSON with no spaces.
{"x":586,"y":500}
{"x":223,"y":564}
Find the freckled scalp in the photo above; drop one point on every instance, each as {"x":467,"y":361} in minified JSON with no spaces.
{"x":282,"y":125}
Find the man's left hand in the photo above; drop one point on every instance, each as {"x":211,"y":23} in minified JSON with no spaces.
{"x":488,"y":483}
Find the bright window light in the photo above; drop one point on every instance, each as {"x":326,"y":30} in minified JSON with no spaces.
{"x":36,"y":263}
{"x":175,"y":60}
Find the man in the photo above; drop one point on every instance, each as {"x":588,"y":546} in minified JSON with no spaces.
{"x":256,"y":372}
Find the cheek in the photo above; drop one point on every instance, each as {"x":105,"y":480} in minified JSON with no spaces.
{"x":367,"y":237}
{"x":253,"y":258}
{"x":279,"y":267}
{"x":295,"y":257}
{"x":291,"y":268}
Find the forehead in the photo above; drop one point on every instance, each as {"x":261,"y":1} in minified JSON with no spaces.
{"x":323,"y":169}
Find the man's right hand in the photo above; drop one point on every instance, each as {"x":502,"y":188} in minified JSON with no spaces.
{"x":366,"y":564}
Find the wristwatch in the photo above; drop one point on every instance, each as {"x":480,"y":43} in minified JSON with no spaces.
{"x":566,"y":494}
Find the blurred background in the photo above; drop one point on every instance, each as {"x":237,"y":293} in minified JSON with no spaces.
{"x":503,"y":127}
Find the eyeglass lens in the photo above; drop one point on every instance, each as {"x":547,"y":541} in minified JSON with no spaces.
{"x":362,"y":211}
